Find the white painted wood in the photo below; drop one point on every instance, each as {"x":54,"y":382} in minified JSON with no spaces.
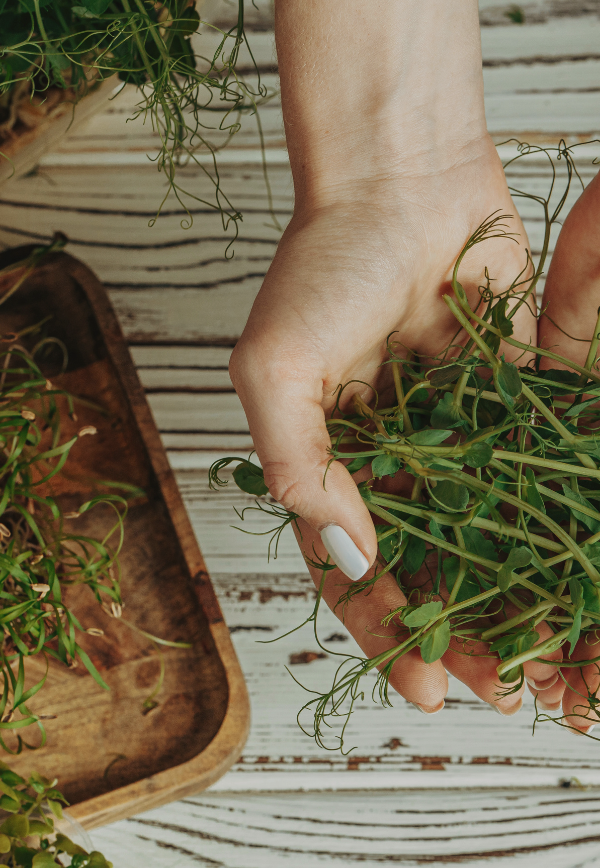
{"x":556,"y":828}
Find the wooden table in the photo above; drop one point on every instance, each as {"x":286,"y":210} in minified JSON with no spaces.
{"x":465,"y":786}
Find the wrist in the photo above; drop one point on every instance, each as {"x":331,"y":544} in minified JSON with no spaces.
{"x":376,"y":92}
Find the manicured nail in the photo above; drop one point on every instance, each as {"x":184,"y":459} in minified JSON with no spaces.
{"x":582,"y":731}
{"x":542,"y":685}
{"x":344,"y":553}
{"x":547,"y":707}
{"x":424,"y":710}
{"x":508,"y":712}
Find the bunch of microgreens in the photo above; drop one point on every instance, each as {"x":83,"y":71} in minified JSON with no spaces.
{"x":48,"y":44}
{"x":39,"y":560}
{"x":506,"y":468}
{"x":28,"y":838}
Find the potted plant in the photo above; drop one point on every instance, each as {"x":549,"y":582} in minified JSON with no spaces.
{"x":59,"y":60}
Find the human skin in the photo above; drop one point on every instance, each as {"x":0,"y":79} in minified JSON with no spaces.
{"x":393,"y":170}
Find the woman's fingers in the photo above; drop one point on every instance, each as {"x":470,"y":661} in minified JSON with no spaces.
{"x":572,"y":292}
{"x":287,"y":422}
{"x":580,"y":702}
{"x":425,"y":685}
{"x":473,"y":664}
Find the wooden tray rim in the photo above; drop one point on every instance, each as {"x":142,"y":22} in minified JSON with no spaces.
{"x":211,"y":763}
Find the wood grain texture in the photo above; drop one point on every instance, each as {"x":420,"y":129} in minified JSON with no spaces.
{"x":555,"y":828}
{"x":113,"y":756}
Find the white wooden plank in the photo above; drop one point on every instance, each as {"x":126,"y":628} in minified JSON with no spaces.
{"x":555,"y":828}
{"x":563,"y":37}
{"x":184,"y":380}
{"x":190,"y":358}
{"x":186,"y":450}
{"x":198,"y":412}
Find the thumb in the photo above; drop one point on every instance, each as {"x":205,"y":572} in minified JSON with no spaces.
{"x":287,"y":424}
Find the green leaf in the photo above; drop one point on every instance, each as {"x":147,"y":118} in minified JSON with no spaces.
{"x":517,"y":557}
{"x":442,"y":376}
{"x":469,"y":586}
{"x":65,"y":845}
{"x":445,"y":414}
{"x":24,"y":856}
{"x":547,"y":573}
{"x":435,"y":530}
{"x":44,"y":860}
{"x":358,"y":463}
{"x":429,"y":437}
{"x":386,"y":465}
{"x":532,"y":495}
{"x":592,"y":524}
{"x":56,"y":808}
{"x":423,"y":615}
{"x":592,"y":552}
{"x":478,"y":544}
{"x":576,"y":592}
{"x":96,"y":7}
{"x":390,"y":544}
{"x":478,"y":455}
{"x":16,"y":826}
{"x":435,"y":642}
{"x":577,"y":600}
{"x":414,"y":554}
{"x":5,"y":844}
{"x":250,"y":478}
{"x":508,"y":382}
{"x":576,"y":409}
{"x":97,"y":860}
{"x":499,"y":318}
{"x":186,"y":24}
{"x":10,"y":805}
{"x":451,"y":496}
{"x":591,"y":596}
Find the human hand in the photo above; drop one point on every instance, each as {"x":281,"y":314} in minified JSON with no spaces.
{"x":393,"y":171}
{"x":571,"y":301}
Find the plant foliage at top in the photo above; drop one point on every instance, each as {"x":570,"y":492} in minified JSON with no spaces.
{"x":187,"y":97}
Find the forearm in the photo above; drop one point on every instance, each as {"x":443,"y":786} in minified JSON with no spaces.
{"x":377,"y":88}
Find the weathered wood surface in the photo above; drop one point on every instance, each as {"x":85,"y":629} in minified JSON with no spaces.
{"x":557,"y":829}
{"x":182,"y":307}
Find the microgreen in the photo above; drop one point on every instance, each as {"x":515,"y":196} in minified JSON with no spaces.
{"x":190,"y":101}
{"x":502,"y":530}
{"x":28,"y":837}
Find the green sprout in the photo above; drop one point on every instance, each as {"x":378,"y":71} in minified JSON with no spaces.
{"x":502,"y":527}
{"x":189,"y":99}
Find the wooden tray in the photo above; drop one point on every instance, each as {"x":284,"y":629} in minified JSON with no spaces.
{"x":111,"y":758}
{"x":21,"y":155}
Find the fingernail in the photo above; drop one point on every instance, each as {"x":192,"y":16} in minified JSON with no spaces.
{"x":344,"y":552}
{"x":425,"y":710}
{"x":508,"y":712}
{"x":542,"y":685}
{"x":547,"y":707}
{"x":582,"y":731}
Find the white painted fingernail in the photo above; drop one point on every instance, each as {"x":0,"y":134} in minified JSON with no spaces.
{"x":344,"y":552}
